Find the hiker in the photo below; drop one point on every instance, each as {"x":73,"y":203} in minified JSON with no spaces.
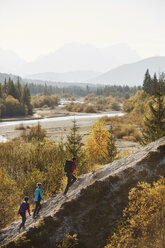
{"x":38,"y":197}
{"x":22,"y":211}
{"x":70,"y":167}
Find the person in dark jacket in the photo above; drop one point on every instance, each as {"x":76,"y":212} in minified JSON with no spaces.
{"x":38,"y":197}
{"x":70,"y":177}
{"x":22,"y":211}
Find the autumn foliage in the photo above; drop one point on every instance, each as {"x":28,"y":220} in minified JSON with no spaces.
{"x":143,"y":224}
{"x":100,"y":144}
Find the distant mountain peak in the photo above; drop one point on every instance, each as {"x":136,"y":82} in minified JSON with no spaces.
{"x":131,"y":74}
{"x":73,"y":57}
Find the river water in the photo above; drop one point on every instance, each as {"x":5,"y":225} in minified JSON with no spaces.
{"x":55,"y":119}
{"x":63,"y":118}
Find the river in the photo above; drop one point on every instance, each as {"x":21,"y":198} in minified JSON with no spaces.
{"x":45,"y":121}
{"x":53,"y":119}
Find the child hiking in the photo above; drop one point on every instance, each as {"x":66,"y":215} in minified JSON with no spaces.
{"x":70,"y":167}
{"x":22,"y":211}
{"x":38,"y":197}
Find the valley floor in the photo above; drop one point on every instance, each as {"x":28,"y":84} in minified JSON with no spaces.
{"x":58,"y":130}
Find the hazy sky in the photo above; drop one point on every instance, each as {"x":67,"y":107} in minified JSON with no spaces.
{"x":34,"y":27}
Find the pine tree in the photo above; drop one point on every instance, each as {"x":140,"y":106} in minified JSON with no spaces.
{"x":11,"y":88}
{"x":26,"y":95}
{"x":18,"y":88}
{"x":154,"y":84}
{"x":26,"y":100}
{"x":1,"y":90}
{"x":5,"y":87}
{"x":147,"y":82}
{"x":154,"y":121}
{"x":74,"y":143}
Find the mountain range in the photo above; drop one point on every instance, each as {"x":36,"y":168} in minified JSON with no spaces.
{"x":73,"y":76}
{"x":77,"y":63}
{"x":70,"y":57}
{"x":131,"y":74}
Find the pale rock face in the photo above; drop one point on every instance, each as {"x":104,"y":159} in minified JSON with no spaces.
{"x":96,"y":200}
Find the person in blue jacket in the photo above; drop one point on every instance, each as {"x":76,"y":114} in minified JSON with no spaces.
{"x":38,"y":197}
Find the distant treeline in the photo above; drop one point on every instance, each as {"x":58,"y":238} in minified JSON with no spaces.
{"x":151,"y":85}
{"x":15,"y":99}
{"x":68,"y":91}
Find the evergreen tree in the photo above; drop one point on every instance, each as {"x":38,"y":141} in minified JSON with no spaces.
{"x":147,"y":82}
{"x":154,"y":120}
{"x":26,"y":95}
{"x":74,"y":143}
{"x":5,"y":87}
{"x":11,"y":89}
{"x":1,"y":90}
{"x":154,"y":84}
{"x":18,"y":88}
{"x":26,"y":100}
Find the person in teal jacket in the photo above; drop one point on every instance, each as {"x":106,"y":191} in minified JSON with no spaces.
{"x":38,"y":197}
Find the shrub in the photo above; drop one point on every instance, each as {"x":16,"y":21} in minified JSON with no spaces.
{"x":43,"y":101}
{"x":90,"y":109}
{"x":70,"y":241}
{"x":144,"y":223}
{"x":10,"y":197}
{"x":20,"y":127}
{"x":115,"y":106}
{"x":35,"y":133}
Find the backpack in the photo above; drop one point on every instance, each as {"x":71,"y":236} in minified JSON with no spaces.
{"x":68,"y":166}
{"x":23,"y":207}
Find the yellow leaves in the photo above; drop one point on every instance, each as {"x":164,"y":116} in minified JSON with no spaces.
{"x":45,"y":101}
{"x":97,"y":143}
{"x":8,"y":191}
{"x":145,"y":218}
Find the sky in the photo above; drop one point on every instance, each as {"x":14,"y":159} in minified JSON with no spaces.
{"x":32,"y":28}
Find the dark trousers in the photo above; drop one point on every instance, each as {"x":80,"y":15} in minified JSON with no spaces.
{"x":37,"y":208}
{"x":23,"y":215}
{"x":71,"y":180}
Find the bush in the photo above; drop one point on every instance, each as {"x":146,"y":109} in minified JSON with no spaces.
{"x":143,"y":223}
{"x":10,"y":197}
{"x":115,"y":106}
{"x":20,"y":127}
{"x":22,"y":165}
{"x":45,"y":101}
{"x":90,"y":109}
{"x":70,"y":241}
{"x":35,"y":133}
{"x":125,"y":127}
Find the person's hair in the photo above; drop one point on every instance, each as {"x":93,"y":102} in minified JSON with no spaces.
{"x":73,"y":158}
{"x":26,"y":198}
{"x":39,"y":184}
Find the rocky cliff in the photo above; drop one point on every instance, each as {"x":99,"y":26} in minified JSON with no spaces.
{"x":94,"y":204}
